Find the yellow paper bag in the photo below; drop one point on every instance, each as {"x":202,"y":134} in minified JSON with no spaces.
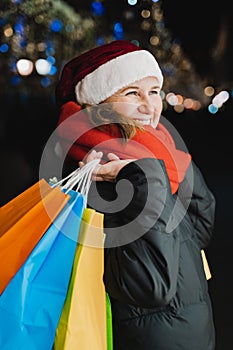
{"x":205,"y":265}
{"x":83,"y":320}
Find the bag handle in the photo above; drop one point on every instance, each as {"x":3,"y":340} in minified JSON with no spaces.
{"x":79,"y":180}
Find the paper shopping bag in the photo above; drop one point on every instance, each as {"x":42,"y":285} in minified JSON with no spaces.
{"x":16,"y":208}
{"x":208,"y":274}
{"x":32,"y":302}
{"x":109,"y":323}
{"x":83,"y":320}
{"x":23,"y":221}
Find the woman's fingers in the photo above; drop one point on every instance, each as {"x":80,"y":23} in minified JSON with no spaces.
{"x":107,"y":171}
{"x":94,"y":155}
{"x":98,"y":155}
{"x":112,"y":156}
{"x":91,"y":156}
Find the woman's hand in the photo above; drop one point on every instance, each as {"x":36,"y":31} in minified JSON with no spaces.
{"x":109,"y":170}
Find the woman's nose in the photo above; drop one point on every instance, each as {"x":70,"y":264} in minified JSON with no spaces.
{"x":146,"y":107}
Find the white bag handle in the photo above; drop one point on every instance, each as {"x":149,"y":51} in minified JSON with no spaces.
{"x":81,"y":178}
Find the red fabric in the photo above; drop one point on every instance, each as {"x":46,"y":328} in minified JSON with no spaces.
{"x":79,"y":137}
{"x":77,"y":68}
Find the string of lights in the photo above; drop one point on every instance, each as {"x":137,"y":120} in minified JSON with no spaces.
{"x":38,"y":36}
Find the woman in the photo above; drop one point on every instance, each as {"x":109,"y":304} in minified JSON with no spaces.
{"x":159,"y":212}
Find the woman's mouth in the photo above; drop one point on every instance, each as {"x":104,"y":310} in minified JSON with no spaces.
{"x":143,"y":121}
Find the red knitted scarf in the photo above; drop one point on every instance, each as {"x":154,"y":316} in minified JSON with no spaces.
{"x":78,"y":137}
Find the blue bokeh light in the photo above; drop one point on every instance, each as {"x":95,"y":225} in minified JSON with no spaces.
{"x":53,"y":70}
{"x":4,"y":48}
{"x":212,"y":109}
{"x":118,"y":30}
{"x":50,"y":51}
{"x":56,"y":25}
{"x":19,"y":26}
{"x":132,"y":2}
{"x":15,"y":80}
{"x":100,"y":41}
{"x":51,"y":59}
{"x":97,"y":8}
{"x":45,"y":81}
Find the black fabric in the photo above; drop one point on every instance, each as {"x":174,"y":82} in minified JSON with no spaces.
{"x":156,"y":282}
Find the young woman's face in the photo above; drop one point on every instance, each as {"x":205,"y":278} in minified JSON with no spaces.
{"x":140,"y":100}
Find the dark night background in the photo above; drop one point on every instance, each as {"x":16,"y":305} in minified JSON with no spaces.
{"x":206,"y":34}
{"x":198,"y":24}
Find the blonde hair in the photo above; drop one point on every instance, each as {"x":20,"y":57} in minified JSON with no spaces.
{"x":102,"y":115}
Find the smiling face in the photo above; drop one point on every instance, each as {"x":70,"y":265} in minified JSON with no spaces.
{"x":140,"y":101}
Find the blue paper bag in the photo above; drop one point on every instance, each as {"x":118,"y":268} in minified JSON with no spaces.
{"x":31,"y":305}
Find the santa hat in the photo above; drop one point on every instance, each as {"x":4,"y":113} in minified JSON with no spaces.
{"x":98,"y":73}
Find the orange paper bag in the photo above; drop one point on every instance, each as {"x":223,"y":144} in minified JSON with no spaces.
{"x":23,"y":221}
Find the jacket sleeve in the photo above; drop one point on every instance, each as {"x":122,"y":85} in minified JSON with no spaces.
{"x":200,"y":203}
{"x":141,"y":258}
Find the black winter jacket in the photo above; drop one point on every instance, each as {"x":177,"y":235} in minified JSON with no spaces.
{"x":153,"y":266}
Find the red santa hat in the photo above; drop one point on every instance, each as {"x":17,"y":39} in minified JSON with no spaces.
{"x":98,"y":73}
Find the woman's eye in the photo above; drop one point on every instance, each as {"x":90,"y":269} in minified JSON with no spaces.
{"x":133,"y":92}
{"x":154,"y":92}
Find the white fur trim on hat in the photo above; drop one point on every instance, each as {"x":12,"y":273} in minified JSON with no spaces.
{"x":116,"y":74}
